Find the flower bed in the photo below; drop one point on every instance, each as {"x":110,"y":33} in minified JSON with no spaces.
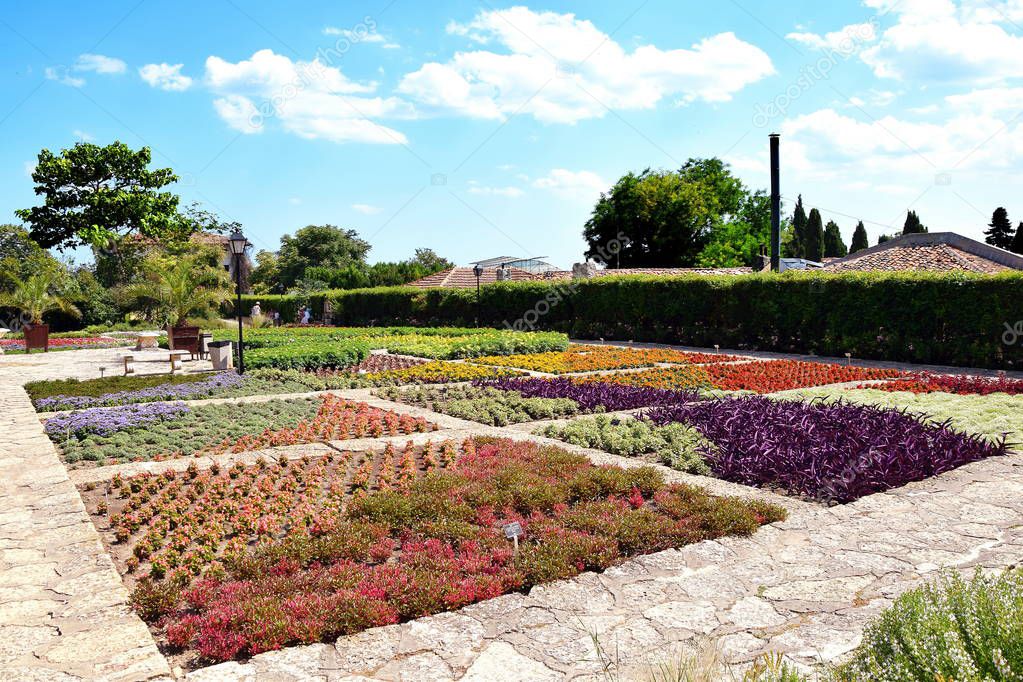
{"x":437,"y":372}
{"x":583,"y":358}
{"x":103,"y":422}
{"x":833,"y":452}
{"x":992,"y":416}
{"x":483,"y":404}
{"x":592,"y":396}
{"x":676,"y":445}
{"x":83,"y":394}
{"x":379,"y":362}
{"x":759,"y":377}
{"x":67,"y":343}
{"x":429,"y":342}
{"x":927,"y":382}
{"x":257,"y":558}
{"x":217,"y":429}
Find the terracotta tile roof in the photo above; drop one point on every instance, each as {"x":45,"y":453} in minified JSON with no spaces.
{"x":943,"y":252}
{"x":463,"y":278}
{"x":664,"y":272}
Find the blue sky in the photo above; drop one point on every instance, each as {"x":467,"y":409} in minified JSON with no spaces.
{"x":483,"y":129}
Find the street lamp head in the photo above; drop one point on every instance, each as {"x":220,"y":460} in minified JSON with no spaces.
{"x":238,"y":242}
{"x":478,"y":271}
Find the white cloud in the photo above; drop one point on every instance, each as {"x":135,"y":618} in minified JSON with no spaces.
{"x":967,"y":139}
{"x":936,"y":40}
{"x":309,"y":99}
{"x":82,"y":135}
{"x":61,"y":75}
{"x":567,"y":70}
{"x":240,"y":113}
{"x":366,"y":209}
{"x":29,"y":167}
{"x":98,"y":63}
{"x":846,"y":41}
{"x":508,"y":192}
{"x":585,"y":185}
{"x":94,"y":63}
{"x":295,"y":201}
{"x":165,"y":76}
{"x":361,"y":35}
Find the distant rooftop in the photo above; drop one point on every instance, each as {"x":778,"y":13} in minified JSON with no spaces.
{"x":937,"y":251}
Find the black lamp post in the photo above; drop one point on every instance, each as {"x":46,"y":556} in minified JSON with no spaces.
{"x":478,"y":271}
{"x":238,"y":244}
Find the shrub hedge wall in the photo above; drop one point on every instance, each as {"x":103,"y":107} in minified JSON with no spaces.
{"x":938,"y":318}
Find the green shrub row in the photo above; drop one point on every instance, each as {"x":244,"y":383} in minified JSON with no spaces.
{"x":308,"y":354}
{"x":938,"y":318}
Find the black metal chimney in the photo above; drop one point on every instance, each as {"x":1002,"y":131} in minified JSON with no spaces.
{"x":775,"y":202}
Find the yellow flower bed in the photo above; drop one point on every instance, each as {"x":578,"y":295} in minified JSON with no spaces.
{"x":585,"y":358}
{"x":438,"y":372}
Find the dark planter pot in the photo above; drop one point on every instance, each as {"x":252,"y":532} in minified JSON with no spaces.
{"x":37,"y":336}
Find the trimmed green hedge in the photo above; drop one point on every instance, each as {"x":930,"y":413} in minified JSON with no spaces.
{"x":938,"y":318}
{"x":308,"y":354}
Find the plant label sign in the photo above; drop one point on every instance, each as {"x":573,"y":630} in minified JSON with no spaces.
{"x":513,"y":530}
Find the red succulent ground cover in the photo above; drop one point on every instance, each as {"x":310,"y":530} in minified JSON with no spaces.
{"x":926,"y":382}
{"x":782,"y":375}
{"x":272,"y":555}
{"x":336,"y":419}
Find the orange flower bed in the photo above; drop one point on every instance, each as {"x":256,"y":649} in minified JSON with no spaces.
{"x":761,"y":377}
{"x":336,"y":419}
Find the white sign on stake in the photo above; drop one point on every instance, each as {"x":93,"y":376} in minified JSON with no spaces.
{"x":512,"y":531}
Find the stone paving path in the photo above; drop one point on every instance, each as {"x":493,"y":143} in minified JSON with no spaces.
{"x":804,"y":587}
{"x":63,"y":607}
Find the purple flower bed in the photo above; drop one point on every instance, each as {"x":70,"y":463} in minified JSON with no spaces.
{"x":217,"y":382}
{"x":104,"y":421}
{"x":590,"y":396}
{"x":835,"y":452}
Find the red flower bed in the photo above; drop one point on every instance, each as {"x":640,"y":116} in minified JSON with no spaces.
{"x":782,"y":375}
{"x":271,"y":555}
{"x":70,"y":342}
{"x":926,"y":382}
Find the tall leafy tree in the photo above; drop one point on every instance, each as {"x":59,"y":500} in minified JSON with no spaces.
{"x":21,"y":256}
{"x":797,"y":242}
{"x":664,"y":218}
{"x":999,"y":232}
{"x":881,"y":239}
{"x":94,"y":195}
{"x":834,"y":247}
{"x":859,"y":240}
{"x":737,"y":241}
{"x":1017,"y":241}
{"x":326,"y":246}
{"x":814,"y":244}
{"x":913,"y":224}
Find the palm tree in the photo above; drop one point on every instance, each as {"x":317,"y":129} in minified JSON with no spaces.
{"x":35,"y":297}
{"x":180,"y":287}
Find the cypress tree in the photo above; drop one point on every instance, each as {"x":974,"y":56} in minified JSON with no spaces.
{"x":814,"y":245}
{"x":834,"y":247}
{"x":799,"y":221}
{"x":859,"y":240}
{"x":999,"y":232}
{"x":913,"y":224}
{"x":1017,"y":241}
